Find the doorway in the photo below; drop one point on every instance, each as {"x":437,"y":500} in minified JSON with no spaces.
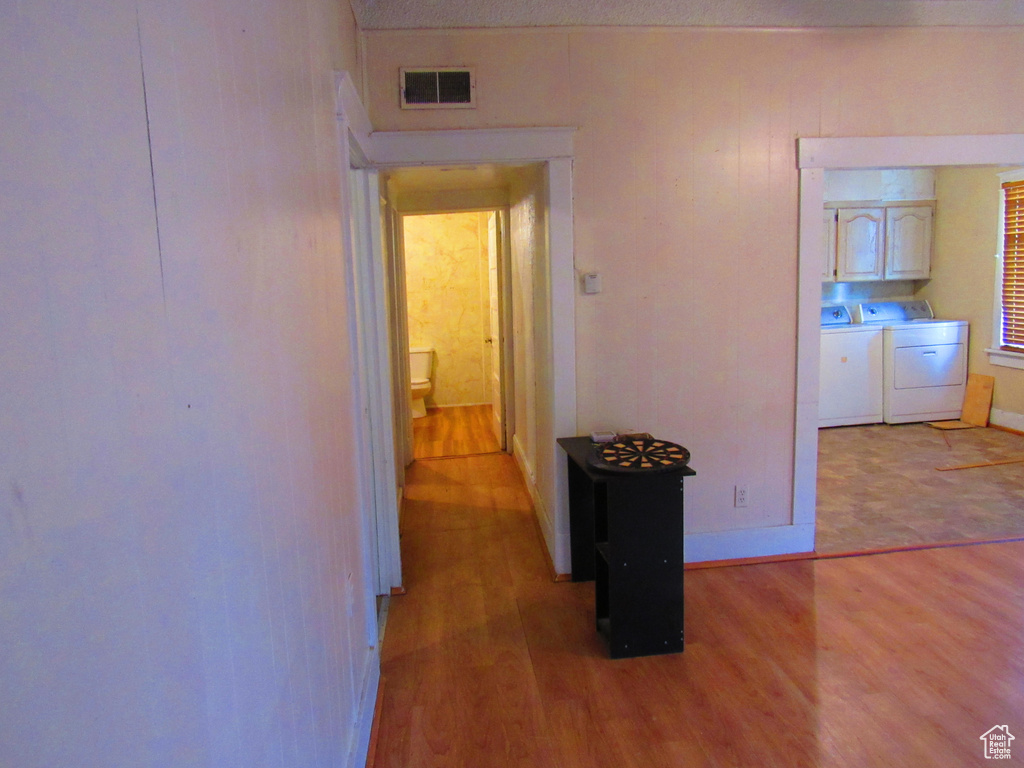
{"x":816,"y":157}
{"x":455,"y":266}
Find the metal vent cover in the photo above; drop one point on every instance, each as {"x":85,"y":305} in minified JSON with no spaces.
{"x":437,"y":88}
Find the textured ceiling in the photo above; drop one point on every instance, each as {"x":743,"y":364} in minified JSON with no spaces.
{"x":456,"y":14}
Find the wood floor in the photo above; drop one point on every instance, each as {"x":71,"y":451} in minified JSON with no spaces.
{"x":894,"y":659}
{"x":879,"y":487}
{"x":459,"y":430}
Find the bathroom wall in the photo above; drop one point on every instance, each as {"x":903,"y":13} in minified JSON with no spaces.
{"x":448,"y":302}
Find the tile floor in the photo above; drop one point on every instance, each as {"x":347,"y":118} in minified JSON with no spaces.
{"x":879,"y":488}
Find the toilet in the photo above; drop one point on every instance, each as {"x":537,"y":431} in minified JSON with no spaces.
{"x":421,"y":361}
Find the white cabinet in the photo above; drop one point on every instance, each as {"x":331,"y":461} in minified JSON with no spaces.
{"x":877,"y":242}
{"x":908,"y":242}
{"x":860,"y":250}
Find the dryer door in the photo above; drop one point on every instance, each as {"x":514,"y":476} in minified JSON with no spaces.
{"x":938,"y":365}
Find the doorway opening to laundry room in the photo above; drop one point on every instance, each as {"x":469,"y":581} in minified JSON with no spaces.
{"x":888,"y":479}
{"x":454,"y":301}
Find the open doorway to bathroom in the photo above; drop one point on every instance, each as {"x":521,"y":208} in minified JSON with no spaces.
{"x":455,"y":291}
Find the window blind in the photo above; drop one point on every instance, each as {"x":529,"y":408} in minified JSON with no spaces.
{"x":1013,"y":266}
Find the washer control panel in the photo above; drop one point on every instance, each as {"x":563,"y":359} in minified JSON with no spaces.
{"x":835,"y":315}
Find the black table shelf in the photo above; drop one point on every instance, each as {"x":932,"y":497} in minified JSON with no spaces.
{"x":626,"y":535}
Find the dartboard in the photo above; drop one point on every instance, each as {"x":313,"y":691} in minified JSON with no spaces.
{"x":639,"y":455}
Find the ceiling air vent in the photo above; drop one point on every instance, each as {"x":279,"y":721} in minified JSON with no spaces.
{"x":438,"y":88}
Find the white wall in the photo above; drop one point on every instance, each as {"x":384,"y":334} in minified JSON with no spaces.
{"x":686,"y":201}
{"x":181,"y":581}
{"x":530,"y":327}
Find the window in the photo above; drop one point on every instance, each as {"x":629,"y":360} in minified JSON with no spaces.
{"x":1008,"y":306}
{"x":1012,"y":332}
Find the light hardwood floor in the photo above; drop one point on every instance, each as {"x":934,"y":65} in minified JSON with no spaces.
{"x":895,"y":659}
{"x":459,"y":430}
{"x":879,"y":487}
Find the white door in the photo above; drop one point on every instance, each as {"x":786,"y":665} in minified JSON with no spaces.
{"x":370,"y":343}
{"x":496,"y":335}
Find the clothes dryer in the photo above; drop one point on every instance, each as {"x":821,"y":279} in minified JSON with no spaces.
{"x":924,"y":361}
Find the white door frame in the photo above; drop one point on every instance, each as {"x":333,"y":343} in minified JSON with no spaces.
{"x":554,"y":148}
{"x":371,"y":310}
{"x":814,"y":156}
{"x":504,"y":298}
{"x":551,"y":147}
{"x":506,"y":340}
{"x":375,"y":452}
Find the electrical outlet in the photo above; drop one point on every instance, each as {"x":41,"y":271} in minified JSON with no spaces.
{"x":740,"y":496}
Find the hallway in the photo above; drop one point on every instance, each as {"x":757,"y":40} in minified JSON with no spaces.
{"x":459,"y":430}
{"x":896,"y":659}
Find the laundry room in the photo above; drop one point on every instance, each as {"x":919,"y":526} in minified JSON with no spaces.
{"x":911,"y":287}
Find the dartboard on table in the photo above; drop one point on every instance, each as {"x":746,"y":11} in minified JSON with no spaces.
{"x":639,"y":455}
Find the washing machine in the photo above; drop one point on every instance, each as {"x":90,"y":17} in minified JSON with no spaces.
{"x":924,"y":361}
{"x":850,"y":376}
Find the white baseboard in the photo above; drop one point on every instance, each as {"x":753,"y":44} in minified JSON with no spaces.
{"x":1007,"y":419}
{"x":360,"y":745}
{"x":547,"y":523}
{"x":520,"y":456}
{"x":748,"y":542}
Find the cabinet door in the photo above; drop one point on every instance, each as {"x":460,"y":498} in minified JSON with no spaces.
{"x":828,"y":268}
{"x":860,"y":253}
{"x":908,"y":242}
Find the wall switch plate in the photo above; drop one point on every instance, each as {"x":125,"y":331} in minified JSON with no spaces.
{"x":592,"y":282}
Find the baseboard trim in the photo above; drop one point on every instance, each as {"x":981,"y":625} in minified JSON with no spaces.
{"x":371,"y":752}
{"x":915,"y":547}
{"x":458,"y":456}
{"x":366,"y":715}
{"x":539,"y":529}
{"x":545,"y":525}
{"x":750,"y":561}
{"x":1006,"y":420}
{"x":746,"y":543}
{"x":768,"y":559}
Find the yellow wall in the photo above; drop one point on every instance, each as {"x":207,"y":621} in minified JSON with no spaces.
{"x":447,"y":291}
{"x":686,"y":198}
{"x":965,"y":240}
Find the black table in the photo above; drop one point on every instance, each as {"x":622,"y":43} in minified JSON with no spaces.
{"x":626,"y":534}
